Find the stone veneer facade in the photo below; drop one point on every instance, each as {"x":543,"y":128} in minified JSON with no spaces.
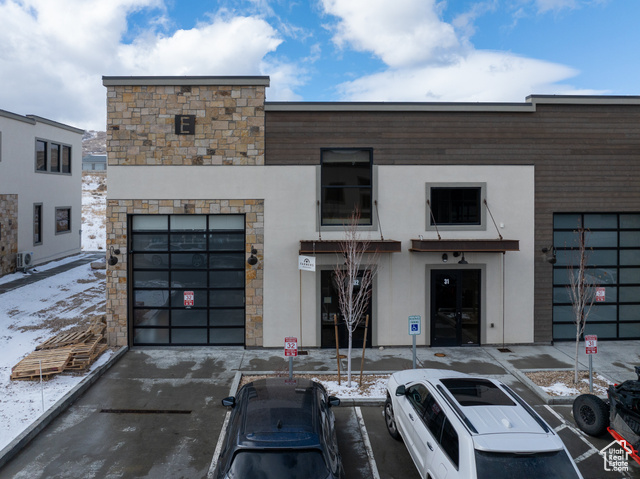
{"x":229,"y":130}
{"x":8,"y":233}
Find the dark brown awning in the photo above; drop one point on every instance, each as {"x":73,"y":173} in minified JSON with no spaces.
{"x":464,"y":245}
{"x":333,"y":246}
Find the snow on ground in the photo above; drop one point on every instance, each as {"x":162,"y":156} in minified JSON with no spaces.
{"x":94,"y":210}
{"x":30,"y":315}
{"x":33,"y":313}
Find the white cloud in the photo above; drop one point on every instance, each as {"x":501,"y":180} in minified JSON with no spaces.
{"x":496,"y":77}
{"x":53,"y":54}
{"x":401,"y":33}
{"x":430,"y":60}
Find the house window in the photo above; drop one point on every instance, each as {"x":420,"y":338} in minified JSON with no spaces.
{"x":346,"y":184}
{"x":37,"y":223}
{"x":63,"y":220}
{"x":455,"y":205}
{"x":53,"y":157}
{"x":41,"y":155}
{"x":66,"y":159}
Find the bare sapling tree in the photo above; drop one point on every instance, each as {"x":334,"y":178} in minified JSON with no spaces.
{"x":582,"y":292}
{"x":354,"y":280}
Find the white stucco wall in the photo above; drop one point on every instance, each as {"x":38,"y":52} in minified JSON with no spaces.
{"x":401,"y":287}
{"x":18,"y":176}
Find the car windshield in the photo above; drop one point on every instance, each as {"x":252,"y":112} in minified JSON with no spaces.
{"x":294,"y":464}
{"x":555,"y":464}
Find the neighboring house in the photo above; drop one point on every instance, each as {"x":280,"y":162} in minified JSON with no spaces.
{"x":94,"y":163}
{"x":459,"y":200}
{"x":40,"y":189}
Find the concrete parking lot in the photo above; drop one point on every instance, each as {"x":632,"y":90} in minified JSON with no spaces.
{"x":156,"y":413}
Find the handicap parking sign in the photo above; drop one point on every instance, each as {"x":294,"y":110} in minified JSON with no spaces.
{"x":414,"y":325}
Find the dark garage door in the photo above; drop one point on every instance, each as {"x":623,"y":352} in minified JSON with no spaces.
{"x":188,"y":279}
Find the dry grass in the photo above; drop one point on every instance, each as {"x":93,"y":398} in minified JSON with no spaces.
{"x":551,"y":378}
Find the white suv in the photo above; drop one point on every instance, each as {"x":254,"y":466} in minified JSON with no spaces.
{"x":460,"y":426}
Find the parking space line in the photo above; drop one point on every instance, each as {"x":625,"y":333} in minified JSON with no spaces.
{"x":216,"y":453}
{"x":367,"y":444}
{"x":592,"y":449}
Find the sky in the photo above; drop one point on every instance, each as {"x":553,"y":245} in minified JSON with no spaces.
{"x":53,"y":53}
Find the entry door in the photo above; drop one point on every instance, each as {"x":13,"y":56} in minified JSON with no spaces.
{"x":330,"y":307}
{"x":455,"y":307}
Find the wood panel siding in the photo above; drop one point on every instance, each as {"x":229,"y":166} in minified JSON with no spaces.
{"x":586,"y":155}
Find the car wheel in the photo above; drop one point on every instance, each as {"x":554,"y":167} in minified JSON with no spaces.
{"x":591,"y":414}
{"x":390,"y":420}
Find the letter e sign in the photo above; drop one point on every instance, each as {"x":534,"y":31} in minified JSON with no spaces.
{"x":185,"y":124}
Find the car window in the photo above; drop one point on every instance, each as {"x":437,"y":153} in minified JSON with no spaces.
{"x":417,"y":395}
{"x":299,"y":464}
{"x":449,"y":441}
{"x":442,"y":430}
{"x":554,"y":464}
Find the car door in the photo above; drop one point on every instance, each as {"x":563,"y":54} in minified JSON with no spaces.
{"x":441,"y":441}
{"x":409,"y":415}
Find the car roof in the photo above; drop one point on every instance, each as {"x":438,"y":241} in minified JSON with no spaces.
{"x":278,"y":412}
{"x":496,"y":417}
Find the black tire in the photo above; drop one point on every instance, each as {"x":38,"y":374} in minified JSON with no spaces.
{"x":591,"y":414}
{"x":390,"y":420}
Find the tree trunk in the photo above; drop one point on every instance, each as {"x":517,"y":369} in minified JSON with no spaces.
{"x":349,"y":360}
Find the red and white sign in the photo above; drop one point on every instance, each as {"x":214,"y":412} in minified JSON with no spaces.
{"x":189,"y":298}
{"x":290,"y":347}
{"x":591,"y":343}
{"x":600,"y":296}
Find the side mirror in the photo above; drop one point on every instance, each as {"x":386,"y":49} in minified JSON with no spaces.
{"x":401,"y":390}
{"x":334,"y":401}
{"x":229,"y":402}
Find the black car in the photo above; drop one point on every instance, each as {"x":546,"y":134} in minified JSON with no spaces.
{"x":282,"y":429}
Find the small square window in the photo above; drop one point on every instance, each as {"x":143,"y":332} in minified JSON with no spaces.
{"x":63,"y":220}
{"x":455,"y":205}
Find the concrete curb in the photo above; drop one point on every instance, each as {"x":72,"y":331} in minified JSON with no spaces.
{"x":538,"y":391}
{"x":15,"y":446}
{"x":375,"y":401}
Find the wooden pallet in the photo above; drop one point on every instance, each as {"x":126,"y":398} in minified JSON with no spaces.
{"x":51,"y":361}
{"x":64,"y":339}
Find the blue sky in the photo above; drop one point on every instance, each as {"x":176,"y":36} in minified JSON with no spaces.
{"x":53,"y":53}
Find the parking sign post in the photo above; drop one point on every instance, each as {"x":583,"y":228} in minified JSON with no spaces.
{"x":414,"y":330}
{"x":290,"y":350}
{"x":591,"y":347}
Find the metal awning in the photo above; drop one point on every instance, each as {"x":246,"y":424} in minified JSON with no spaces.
{"x":333,"y":246}
{"x":464,"y":245}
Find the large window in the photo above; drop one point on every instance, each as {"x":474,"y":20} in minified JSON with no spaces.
{"x":188,"y":277}
{"x":37,"y":223}
{"x":455,"y":205}
{"x":613,"y":265}
{"x":63,"y":220}
{"x":346,"y":185}
{"x":53,"y":157}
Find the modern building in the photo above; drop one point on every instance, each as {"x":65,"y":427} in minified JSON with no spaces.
{"x":94,"y":163}
{"x":470,"y":212}
{"x":40,"y":190}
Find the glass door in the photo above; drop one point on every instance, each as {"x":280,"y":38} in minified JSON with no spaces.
{"x":455,"y":307}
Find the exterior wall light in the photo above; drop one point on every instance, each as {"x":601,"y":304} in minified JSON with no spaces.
{"x":253,"y":260}
{"x":463,"y":261}
{"x":445,"y":257}
{"x":550,"y":255}
{"x":112,"y":259}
